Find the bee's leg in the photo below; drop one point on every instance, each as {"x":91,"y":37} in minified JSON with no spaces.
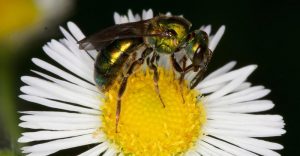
{"x":199,"y":56}
{"x":131,"y":59}
{"x":153,"y":67}
{"x":184,"y":59}
{"x":185,"y":69}
{"x":157,"y":58}
{"x":201,"y":59}
{"x":178,"y":68}
{"x":201,"y":69}
{"x":122,"y":88}
{"x":198,"y":77}
{"x":175,"y":64}
{"x":132,"y":68}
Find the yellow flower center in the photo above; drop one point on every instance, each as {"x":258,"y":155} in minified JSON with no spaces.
{"x":145,"y":126}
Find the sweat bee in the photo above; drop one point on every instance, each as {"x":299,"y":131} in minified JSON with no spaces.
{"x":118,"y":45}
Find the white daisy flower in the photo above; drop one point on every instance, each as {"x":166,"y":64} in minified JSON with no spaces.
{"x":219,"y":116}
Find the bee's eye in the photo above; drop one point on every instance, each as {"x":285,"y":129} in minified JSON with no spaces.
{"x":173,"y":32}
{"x":170,"y":33}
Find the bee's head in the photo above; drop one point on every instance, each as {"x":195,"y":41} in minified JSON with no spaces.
{"x":172,"y":31}
{"x":194,"y":41}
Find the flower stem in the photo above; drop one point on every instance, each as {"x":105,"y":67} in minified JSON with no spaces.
{"x":8,"y":112}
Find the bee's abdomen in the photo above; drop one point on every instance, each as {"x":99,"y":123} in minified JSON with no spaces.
{"x":110,"y":61}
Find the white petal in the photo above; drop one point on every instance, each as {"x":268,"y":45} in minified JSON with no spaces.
{"x":97,"y":150}
{"x":227,"y":67}
{"x":258,"y":132}
{"x":245,"y":107}
{"x":76,"y":32}
{"x":65,"y":53}
{"x":271,"y":132}
{"x":36,"y":92}
{"x":243,"y":92}
{"x":67,"y":35}
{"x":110,"y":152}
{"x":215,"y":40}
{"x":62,"y":93}
{"x":68,"y":65}
{"x":231,"y":85}
{"x":60,"y":119}
{"x":248,"y":97}
{"x":59,"y":126}
{"x":137,"y":17}
{"x":242,"y":117}
{"x":192,"y":153}
{"x":245,"y":128}
{"x":243,"y":86}
{"x":207,"y":29}
{"x":58,"y":105}
{"x":220,"y":123}
{"x":233,"y":124}
{"x":117,"y":18}
{"x":81,"y":55}
{"x":212,"y":89}
{"x":203,"y":151}
{"x":164,"y":61}
{"x":72,"y":44}
{"x":225,"y":77}
{"x":70,"y":86}
{"x":147,"y":14}
{"x":123,"y":19}
{"x":213,"y":150}
{"x":63,"y":74}
{"x":252,"y":148}
{"x":258,"y":142}
{"x":130,"y":16}
{"x":44,"y":153}
{"x":56,"y":113}
{"x":227,"y":147}
{"x":50,"y":135}
{"x":62,"y":144}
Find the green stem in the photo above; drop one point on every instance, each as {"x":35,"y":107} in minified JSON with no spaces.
{"x":8,"y":112}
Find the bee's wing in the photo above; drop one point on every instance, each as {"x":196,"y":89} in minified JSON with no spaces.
{"x":103,"y":38}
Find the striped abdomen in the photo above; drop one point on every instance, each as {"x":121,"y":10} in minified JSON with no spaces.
{"x":110,"y":61}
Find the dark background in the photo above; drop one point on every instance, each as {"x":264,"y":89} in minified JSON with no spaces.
{"x":264,"y":33}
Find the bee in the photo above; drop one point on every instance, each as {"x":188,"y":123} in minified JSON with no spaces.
{"x":119,"y":45}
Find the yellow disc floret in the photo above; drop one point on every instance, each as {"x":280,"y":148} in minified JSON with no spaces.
{"x":145,"y":126}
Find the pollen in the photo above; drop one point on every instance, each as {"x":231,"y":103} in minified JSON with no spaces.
{"x":145,"y":126}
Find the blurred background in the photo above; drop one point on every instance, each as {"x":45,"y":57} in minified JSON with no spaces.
{"x":257,"y":32}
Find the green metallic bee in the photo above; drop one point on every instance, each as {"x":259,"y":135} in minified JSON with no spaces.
{"x":120,"y":45}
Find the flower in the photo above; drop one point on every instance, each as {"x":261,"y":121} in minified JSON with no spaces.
{"x":22,"y":20}
{"x":219,"y":117}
